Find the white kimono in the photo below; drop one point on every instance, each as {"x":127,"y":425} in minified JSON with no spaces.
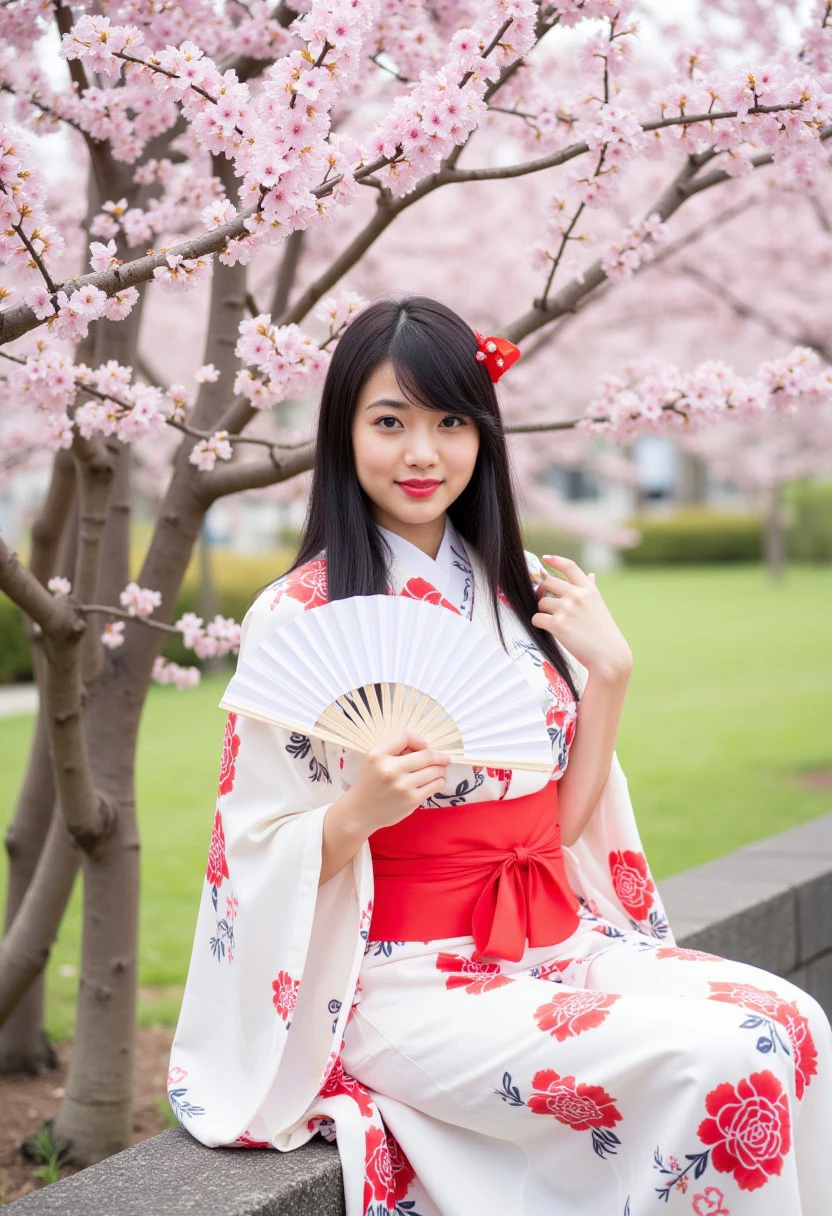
{"x":598,"y":1076}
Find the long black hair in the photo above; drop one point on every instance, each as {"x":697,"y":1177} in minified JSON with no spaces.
{"x":432,"y":351}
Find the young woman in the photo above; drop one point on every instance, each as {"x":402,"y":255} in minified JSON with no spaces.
{"x":463,"y":975}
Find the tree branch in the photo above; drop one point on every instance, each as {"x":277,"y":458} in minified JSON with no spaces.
{"x":52,"y":517}
{"x":63,"y":625}
{"x":742,"y":308}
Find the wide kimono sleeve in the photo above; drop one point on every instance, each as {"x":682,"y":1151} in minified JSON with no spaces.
{"x":275,"y":957}
{"x":606,"y":866}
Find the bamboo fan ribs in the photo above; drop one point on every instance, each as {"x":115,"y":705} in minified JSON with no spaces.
{"x":355,"y":670}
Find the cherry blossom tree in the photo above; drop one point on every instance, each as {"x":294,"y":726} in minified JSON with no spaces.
{"x":263,"y":162}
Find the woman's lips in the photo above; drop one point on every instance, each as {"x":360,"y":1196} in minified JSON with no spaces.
{"x":419,"y":491}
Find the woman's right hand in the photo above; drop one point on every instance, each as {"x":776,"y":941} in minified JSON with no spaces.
{"x":396,"y":775}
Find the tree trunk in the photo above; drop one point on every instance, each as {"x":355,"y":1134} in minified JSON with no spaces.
{"x":95,"y":1116}
{"x":208,"y":608}
{"x":26,"y":945}
{"x":775,"y":534}
{"x":24,"y":1046}
{"x":23,"y":1043}
{"x":691,"y":486}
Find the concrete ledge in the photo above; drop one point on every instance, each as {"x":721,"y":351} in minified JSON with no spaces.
{"x":769,"y":904}
{"x":174,"y":1175}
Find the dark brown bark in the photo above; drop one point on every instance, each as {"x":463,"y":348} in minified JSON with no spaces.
{"x":23,"y":1043}
{"x":24,"y":1046}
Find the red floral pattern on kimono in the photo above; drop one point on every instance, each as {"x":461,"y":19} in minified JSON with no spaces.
{"x":632,"y":882}
{"x":285,"y":990}
{"x":560,"y":689}
{"x":475,"y":978}
{"x":574,"y":1103}
{"x":499,"y":774}
{"x":230,"y":748}
{"x":710,"y":1203}
{"x":749,"y":1129}
{"x":388,"y":1172}
{"x":247,"y":1141}
{"x":421,"y":589}
{"x":217,"y":868}
{"x":685,"y":954}
{"x":340,"y":1082}
{"x":570,"y":1013}
{"x":307,"y":583}
{"x":770,"y":1005}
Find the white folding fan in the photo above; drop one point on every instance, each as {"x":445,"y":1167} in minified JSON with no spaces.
{"x":357,"y":669}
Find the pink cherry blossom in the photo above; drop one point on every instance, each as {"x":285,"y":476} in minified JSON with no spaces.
{"x":139,"y":601}
{"x":103,"y":257}
{"x":165,"y":672}
{"x":113,"y":635}
{"x":207,"y":452}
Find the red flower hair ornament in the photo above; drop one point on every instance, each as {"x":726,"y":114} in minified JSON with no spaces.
{"x":498,"y":354}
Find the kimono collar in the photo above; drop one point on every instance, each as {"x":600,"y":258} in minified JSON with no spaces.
{"x":450,"y":572}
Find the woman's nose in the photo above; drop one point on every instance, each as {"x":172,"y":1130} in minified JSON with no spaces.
{"x":421,"y":450}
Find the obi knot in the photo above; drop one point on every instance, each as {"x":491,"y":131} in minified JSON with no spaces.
{"x":525,"y":896}
{"x":494,"y":870}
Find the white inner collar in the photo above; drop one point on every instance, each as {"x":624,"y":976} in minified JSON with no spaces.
{"x":449,"y":572}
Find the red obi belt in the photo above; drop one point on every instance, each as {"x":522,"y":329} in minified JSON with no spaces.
{"x":492,"y":870}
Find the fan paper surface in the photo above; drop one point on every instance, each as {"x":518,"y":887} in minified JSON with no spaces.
{"x":358,"y":669}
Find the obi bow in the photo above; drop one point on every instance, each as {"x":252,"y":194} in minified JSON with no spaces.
{"x":526,"y":895}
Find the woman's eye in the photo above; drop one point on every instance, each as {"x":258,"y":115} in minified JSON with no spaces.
{"x":447,"y":418}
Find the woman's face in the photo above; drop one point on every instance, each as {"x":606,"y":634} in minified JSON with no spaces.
{"x":396,"y":440}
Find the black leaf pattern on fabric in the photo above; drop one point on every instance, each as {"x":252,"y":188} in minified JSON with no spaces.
{"x":509,"y":1093}
{"x":299,"y":747}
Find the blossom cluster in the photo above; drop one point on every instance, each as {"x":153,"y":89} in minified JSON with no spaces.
{"x":23,"y":193}
{"x":664,"y":399}
{"x":294,"y":168}
{"x":139,"y":601}
{"x":49,"y":383}
{"x":69,"y":316}
{"x":338,"y":311}
{"x":288,"y":360}
{"x":219,"y":637}
{"x":207,"y":452}
{"x":284,"y":360}
{"x":182,"y":274}
{"x":166,"y":672}
{"x":633,"y":248}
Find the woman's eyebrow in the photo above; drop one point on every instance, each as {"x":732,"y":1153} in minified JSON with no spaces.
{"x":388,"y":401}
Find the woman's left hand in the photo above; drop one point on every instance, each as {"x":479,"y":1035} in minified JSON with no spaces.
{"x":572,"y":610}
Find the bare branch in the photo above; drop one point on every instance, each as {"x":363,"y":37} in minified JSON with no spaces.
{"x":52,"y":614}
{"x":249,"y":475}
{"x":52,"y":517}
{"x":122,"y":615}
{"x":742,"y":308}
{"x":24,"y":950}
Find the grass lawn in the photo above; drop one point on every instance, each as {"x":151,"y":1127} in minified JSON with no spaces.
{"x":730,"y":701}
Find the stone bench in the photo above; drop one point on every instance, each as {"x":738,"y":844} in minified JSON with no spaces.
{"x":769,"y":904}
